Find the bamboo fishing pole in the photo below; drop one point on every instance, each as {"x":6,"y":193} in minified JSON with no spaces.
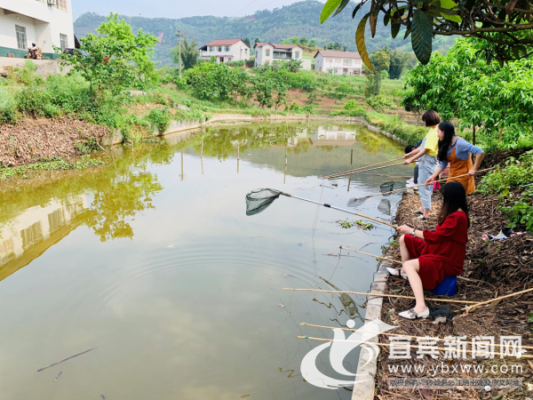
{"x":426,"y":184}
{"x":365,"y":167}
{"x":468,"y":309}
{"x":378,"y":295}
{"x":398,"y":262}
{"x":360,"y":172}
{"x":386,"y":333}
{"x":404,"y":345}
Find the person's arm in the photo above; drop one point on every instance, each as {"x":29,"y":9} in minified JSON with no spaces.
{"x":416,"y":150}
{"x":474,"y":169}
{"x":420,"y":153}
{"x":407,"y":230}
{"x":437,"y":172}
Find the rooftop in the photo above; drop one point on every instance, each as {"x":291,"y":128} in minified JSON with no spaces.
{"x":339,"y":54}
{"x":223,"y":42}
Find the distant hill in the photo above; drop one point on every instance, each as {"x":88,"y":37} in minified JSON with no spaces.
{"x":300,"y":19}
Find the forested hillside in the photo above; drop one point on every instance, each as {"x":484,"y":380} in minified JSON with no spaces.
{"x":299,"y":19}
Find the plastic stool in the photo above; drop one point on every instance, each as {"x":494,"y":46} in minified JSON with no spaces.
{"x":448,"y":287}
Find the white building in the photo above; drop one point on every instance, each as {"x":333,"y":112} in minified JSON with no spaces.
{"x":338,"y":62}
{"x":46,"y":23}
{"x":225,"y":50}
{"x":269,"y":53}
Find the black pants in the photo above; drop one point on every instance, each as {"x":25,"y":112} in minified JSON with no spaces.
{"x":416,"y":174}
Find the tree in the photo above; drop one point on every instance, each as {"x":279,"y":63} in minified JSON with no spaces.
{"x":303,"y":41}
{"x":312,"y":43}
{"x":247,"y":41}
{"x":115,"y":59}
{"x":189,"y":54}
{"x":381,"y":61}
{"x":504,"y":26}
{"x":486,"y":96}
{"x":293,"y":65}
{"x":257,"y":40}
{"x":398,"y":62}
{"x":294,"y":40}
{"x":217,"y":82}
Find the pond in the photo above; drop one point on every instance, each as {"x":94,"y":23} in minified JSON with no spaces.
{"x":151,"y":262}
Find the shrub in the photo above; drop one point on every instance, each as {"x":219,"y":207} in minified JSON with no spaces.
{"x":8,"y":110}
{"x":32,"y":100}
{"x":379,"y":103}
{"x":250,"y":63}
{"x":511,"y":183}
{"x":217,"y":82}
{"x":159,"y":119}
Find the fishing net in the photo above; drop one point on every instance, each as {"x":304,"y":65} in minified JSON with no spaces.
{"x":384,"y":206}
{"x":386,"y":187}
{"x":260,"y":199}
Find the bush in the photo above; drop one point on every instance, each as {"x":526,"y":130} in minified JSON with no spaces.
{"x":32,"y":100}
{"x":379,"y":103}
{"x":159,"y":119}
{"x":217,"y":82}
{"x":250,"y":63}
{"x":510,"y":183}
{"x":8,"y":110}
{"x":239,"y":63}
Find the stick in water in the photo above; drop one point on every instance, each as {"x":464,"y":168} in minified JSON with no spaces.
{"x":66,"y":359}
{"x":58,"y":375}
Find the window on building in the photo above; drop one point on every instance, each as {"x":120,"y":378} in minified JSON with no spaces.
{"x":245,"y":51}
{"x":63,"y":40}
{"x":267,"y":52}
{"x":21,"y":37}
{"x":219,"y":48}
{"x":347,"y":62}
{"x":296,"y":54}
{"x":227,"y":48}
{"x":330,"y":60}
{"x":211,"y":48}
{"x":61,"y":4}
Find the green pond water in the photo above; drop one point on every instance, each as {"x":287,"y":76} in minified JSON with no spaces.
{"x":151,"y":262}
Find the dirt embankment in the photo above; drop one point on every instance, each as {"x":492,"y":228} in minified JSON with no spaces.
{"x":34,"y":140}
{"x":493,"y":269}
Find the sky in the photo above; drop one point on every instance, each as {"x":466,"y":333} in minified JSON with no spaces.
{"x":176,"y":9}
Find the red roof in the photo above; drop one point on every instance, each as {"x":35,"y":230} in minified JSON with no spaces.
{"x":223,"y":42}
{"x":339,"y":54}
{"x":278,"y":46}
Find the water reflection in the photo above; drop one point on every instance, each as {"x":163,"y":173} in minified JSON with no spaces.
{"x":148,"y":256}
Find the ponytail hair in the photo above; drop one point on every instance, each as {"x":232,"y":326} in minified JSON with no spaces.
{"x":445,"y":143}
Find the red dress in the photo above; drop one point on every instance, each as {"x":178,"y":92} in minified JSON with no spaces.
{"x":442,"y":252}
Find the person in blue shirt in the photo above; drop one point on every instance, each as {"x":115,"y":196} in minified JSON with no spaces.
{"x":458,"y":152}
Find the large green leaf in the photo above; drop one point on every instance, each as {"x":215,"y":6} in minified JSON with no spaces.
{"x":329,"y":7}
{"x":422,"y":36}
{"x":357,"y":8}
{"x":342,"y":6}
{"x":360,"y":42}
{"x":448,"y":5}
{"x":395,"y":28}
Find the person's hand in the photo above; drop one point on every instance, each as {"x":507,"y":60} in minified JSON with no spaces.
{"x":472,"y":172}
{"x":405,"y":230}
{"x":431,"y":180}
{"x":407,"y":162}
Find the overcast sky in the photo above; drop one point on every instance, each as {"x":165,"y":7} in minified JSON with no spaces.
{"x":176,"y":8}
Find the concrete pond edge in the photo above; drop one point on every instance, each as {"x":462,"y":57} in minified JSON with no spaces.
{"x":225,"y":119}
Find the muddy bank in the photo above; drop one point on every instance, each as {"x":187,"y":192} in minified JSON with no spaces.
{"x":34,"y":140}
{"x":494,"y":269}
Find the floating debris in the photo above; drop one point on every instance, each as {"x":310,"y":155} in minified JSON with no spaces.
{"x":58,"y":375}
{"x":281,"y":305}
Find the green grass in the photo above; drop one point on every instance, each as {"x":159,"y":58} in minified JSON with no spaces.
{"x":54,"y":165}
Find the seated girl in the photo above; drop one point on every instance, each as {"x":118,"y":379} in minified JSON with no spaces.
{"x":430,"y":256}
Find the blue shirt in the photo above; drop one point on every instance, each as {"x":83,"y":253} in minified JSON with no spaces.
{"x":462,"y":151}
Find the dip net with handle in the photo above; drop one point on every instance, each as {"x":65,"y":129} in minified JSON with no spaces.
{"x":384,"y":188}
{"x":260,"y":199}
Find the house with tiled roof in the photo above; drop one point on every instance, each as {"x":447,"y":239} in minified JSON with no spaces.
{"x":338,"y":62}
{"x":225,"y":50}
{"x":270,"y":53}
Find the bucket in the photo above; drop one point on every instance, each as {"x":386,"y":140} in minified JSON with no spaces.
{"x":448,"y":287}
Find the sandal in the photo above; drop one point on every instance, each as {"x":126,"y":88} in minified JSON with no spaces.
{"x":417,"y":212}
{"x":396,"y":272}
{"x":421,"y":218}
{"x":411,"y":314}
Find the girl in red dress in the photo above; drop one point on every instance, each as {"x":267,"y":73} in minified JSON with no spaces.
{"x":430,"y":256}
